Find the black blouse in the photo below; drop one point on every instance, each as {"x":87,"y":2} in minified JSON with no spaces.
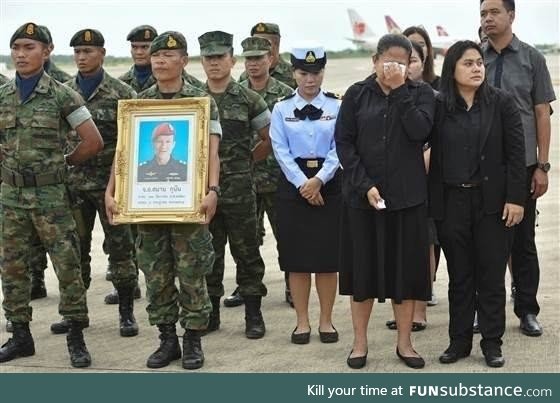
{"x":379,"y":140}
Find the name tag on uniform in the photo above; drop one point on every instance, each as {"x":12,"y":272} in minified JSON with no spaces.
{"x":327,"y":117}
{"x":288,"y":119}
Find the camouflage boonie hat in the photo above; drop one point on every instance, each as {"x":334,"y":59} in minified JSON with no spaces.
{"x":142,"y":33}
{"x":255,"y":46}
{"x":215,"y":43}
{"x":169,"y":40}
{"x":33,"y":31}
{"x":87,"y":37}
{"x":266,"y":28}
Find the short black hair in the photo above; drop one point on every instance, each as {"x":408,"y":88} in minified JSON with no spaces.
{"x":448,"y":87}
{"x":509,"y":5}
{"x":429,"y":74}
{"x":419,"y":50}
{"x":393,"y":40}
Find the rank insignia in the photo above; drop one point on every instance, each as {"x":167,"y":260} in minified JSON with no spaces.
{"x":147,"y":34}
{"x":171,"y":42}
{"x":30,"y":30}
{"x":261,"y":27}
{"x":87,"y":36}
{"x":310,"y":57}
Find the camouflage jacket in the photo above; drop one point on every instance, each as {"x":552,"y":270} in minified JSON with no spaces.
{"x":33,"y":135}
{"x":56,"y":73}
{"x":102,"y":104}
{"x":282,"y":72}
{"x":3,"y":79}
{"x":130,"y":78}
{"x":242,"y":112}
{"x":266,"y":172}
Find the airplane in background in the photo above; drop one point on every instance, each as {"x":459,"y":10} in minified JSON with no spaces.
{"x":363,"y":36}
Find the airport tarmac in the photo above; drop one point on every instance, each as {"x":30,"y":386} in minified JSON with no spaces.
{"x":228,"y":350}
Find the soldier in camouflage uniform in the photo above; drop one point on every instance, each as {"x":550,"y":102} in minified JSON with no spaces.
{"x":242,"y":113}
{"x":166,"y":251}
{"x":279,"y":68}
{"x":88,"y":180}
{"x":258,"y":58}
{"x":3,"y":79}
{"x":140,"y":75}
{"x":50,"y":68}
{"x":36,"y":114}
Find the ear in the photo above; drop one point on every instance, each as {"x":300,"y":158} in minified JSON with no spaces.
{"x":104,"y":51}
{"x":233,"y":61}
{"x":511,"y":16}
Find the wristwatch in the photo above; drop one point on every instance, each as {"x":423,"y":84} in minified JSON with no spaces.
{"x":215,"y":189}
{"x":543,"y":166}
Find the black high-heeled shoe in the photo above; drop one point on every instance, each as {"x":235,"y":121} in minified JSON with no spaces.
{"x":412,"y":362}
{"x":356,"y":362}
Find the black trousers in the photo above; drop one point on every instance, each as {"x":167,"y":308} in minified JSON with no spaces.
{"x":477,"y":247}
{"x":524,"y":259}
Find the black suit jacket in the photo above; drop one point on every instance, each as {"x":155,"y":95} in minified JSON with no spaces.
{"x":501,"y":154}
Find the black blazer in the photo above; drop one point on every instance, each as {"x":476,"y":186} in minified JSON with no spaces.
{"x":501,"y":155}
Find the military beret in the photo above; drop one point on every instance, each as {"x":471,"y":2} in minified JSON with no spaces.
{"x":266,"y":28}
{"x":215,"y":43}
{"x":87,"y":37}
{"x":255,"y":46}
{"x":309,"y":57}
{"x":163,"y":129}
{"x":142,"y":33}
{"x":169,"y":40}
{"x":33,"y":31}
{"x":48,"y":32}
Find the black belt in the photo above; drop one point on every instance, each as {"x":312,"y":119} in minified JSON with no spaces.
{"x":20,"y":180}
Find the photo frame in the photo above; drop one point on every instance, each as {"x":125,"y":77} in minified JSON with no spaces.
{"x":161,"y":160}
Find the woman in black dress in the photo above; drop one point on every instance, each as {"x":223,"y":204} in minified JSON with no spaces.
{"x":382,"y":126}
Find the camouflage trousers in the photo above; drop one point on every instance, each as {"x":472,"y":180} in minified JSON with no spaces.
{"x":118,"y":243}
{"x":266,"y":202}
{"x":56,"y":229}
{"x":236,"y":223}
{"x":166,"y":251}
{"x":37,"y":258}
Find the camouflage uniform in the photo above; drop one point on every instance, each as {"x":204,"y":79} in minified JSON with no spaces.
{"x":89,"y":180}
{"x":282,"y":72}
{"x":166,"y":251}
{"x":266,"y":172}
{"x":34,"y":198}
{"x":3,"y":79}
{"x":241,"y":112}
{"x":56,"y":73}
{"x":130,"y":78}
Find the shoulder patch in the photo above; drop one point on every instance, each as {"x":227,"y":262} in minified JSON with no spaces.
{"x":332,"y":95}
{"x":293,"y":94}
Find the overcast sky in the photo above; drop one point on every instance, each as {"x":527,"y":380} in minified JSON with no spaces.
{"x":326,"y":21}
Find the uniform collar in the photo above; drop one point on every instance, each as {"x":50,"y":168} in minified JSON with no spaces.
{"x":317,"y":102}
{"x":513,"y":46}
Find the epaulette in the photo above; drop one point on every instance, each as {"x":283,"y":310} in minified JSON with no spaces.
{"x":332,"y":95}
{"x":293,"y":94}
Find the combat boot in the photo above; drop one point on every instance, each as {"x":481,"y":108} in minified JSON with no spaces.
{"x":254,"y":323}
{"x":214,"y":318}
{"x":193,"y":357}
{"x":79,"y":355}
{"x":19,"y":345}
{"x":168,"y":350}
{"x":63,"y":326}
{"x":38,"y":289}
{"x":127,"y":323}
{"x":113,"y":297}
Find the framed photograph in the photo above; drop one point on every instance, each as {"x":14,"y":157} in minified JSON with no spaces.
{"x":161,"y":160}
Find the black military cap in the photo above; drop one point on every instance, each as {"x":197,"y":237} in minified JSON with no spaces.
{"x":142,"y":33}
{"x":87,"y":37}
{"x":169,"y":40}
{"x":48,"y":32}
{"x":33,"y":31}
{"x":266,"y":28}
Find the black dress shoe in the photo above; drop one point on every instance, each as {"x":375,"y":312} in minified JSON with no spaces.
{"x":454,"y":354}
{"x":235,"y":299}
{"x":356,"y":362}
{"x":494,"y":357}
{"x":300,"y":338}
{"x":530,"y":326}
{"x":328,"y":337}
{"x":412,"y":362}
{"x":391,"y":324}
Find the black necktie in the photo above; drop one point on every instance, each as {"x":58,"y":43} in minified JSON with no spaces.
{"x":308,"y":111}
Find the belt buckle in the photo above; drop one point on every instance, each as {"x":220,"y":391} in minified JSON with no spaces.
{"x":312,"y":164}
{"x":466,"y":185}
{"x":29,"y":180}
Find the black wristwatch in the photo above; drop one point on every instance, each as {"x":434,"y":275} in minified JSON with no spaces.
{"x":543,"y":166}
{"x":215,"y":189}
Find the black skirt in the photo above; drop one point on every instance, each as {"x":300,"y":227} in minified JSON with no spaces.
{"x":384,"y":254}
{"x":308,"y":236}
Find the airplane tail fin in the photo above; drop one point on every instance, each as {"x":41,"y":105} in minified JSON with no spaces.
{"x":441,"y":31}
{"x":392,"y":26}
{"x":360,"y":29}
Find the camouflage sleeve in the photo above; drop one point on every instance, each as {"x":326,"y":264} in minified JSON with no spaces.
{"x":258,"y":111}
{"x":72,"y":106}
{"x":215,"y":126}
